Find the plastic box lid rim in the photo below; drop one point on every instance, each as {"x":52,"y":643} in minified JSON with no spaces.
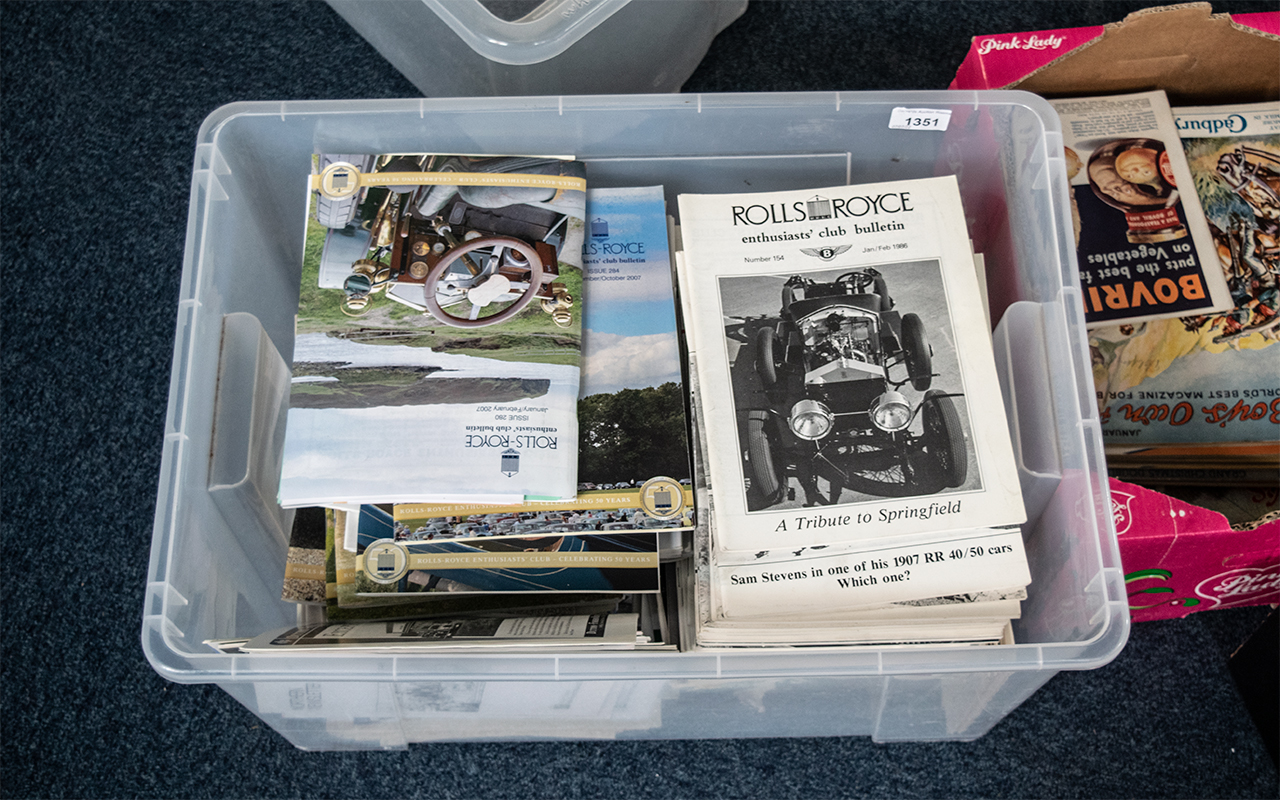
{"x":553,"y":27}
{"x":695,"y":102}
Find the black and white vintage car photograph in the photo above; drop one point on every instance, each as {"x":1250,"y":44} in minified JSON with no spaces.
{"x":846,"y":386}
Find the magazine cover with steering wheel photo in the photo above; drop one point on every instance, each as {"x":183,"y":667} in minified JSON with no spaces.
{"x":439,"y":330}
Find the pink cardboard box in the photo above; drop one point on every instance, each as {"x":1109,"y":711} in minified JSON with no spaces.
{"x":1196,"y":56}
{"x":1179,"y":558}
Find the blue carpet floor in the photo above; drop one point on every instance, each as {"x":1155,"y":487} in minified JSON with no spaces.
{"x":99,"y":107}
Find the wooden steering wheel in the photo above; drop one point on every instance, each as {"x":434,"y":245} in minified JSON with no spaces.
{"x":478,"y":283}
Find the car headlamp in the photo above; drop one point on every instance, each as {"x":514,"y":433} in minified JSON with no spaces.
{"x":810,"y":420}
{"x":891,"y":412}
{"x":357,"y":285}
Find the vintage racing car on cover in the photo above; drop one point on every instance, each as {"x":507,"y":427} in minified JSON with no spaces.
{"x":835,"y":368}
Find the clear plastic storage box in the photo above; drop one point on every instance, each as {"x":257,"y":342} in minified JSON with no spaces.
{"x":218,"y":548}
{"x":452,"y":48}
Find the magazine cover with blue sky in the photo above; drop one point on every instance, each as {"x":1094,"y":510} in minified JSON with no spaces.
{"x":438,"y":336}
{"x":633,"y":452}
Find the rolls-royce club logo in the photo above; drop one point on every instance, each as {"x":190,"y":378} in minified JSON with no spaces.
{"x":385,"y":561}
{"x":510,"y":462}
{"x":340,"y":179}
{"x":662,"y":498}
{"x":825,"y":253}
{"x":817,"y":207}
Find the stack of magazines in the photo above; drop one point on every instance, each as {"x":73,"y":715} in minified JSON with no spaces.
{"x":853,"y":453}
{"x":1177,"y":218}
{"x":500,"y":435}
{"x":487,"y":417}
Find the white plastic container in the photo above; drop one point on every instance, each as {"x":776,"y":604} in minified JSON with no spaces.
{"x":452,"y":48}
{"x":218,"y":547}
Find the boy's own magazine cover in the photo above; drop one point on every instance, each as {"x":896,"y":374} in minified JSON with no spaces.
{"x":438,"y":331}
{"x":1143,"y":246}
{"x":1209,"y":379}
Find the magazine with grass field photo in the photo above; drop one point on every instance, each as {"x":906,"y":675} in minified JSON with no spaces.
{"x":439,"y":331}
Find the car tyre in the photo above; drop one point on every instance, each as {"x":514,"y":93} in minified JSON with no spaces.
{"x":766,"y":482}
{"x":919,"y":355}
{"x":881,"y":288}
{"x":947,"y":453}
{"x":766,"y":361}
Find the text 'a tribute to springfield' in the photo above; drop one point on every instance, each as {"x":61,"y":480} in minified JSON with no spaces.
{"x":842,"y":331}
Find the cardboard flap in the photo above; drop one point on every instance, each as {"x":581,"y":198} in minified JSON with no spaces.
{"x":1196,"y":56}
{"x":1144,"y":513}
{"x":1000,"y":61}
